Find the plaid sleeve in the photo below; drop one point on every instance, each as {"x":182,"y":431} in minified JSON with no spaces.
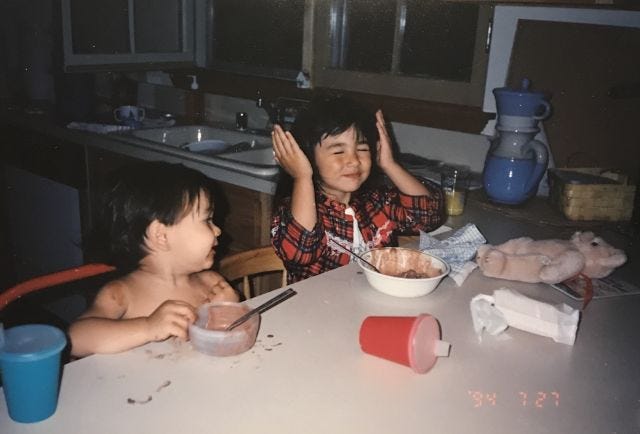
{"x":293,"y":243}
{"x":413,"y":213}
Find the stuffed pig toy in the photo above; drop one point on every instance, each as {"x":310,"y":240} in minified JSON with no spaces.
{"x":549,"y":261}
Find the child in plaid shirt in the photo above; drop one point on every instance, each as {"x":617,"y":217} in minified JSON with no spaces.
{"x":329,"y":155}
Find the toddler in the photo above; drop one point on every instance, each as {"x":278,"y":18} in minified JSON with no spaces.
{"x":330,"y":154}
{"x":158,"y":219}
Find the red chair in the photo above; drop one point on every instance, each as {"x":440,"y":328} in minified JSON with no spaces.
{"x":53,"y":279}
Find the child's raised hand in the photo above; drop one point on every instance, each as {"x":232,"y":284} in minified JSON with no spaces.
{"x":171,"y":318}
{"x":288,"y":154}
{"x":385,"y":152}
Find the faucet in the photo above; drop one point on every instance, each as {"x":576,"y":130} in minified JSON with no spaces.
{"x":272,"y":109}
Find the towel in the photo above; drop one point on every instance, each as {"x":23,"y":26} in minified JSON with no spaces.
{"x":458,"y":250}
{"x":97,"y":128}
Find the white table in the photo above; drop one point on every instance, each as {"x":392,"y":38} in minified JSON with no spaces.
{"x":307,"y":374}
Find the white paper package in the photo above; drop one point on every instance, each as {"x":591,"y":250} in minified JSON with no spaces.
{"x":510,"y":308}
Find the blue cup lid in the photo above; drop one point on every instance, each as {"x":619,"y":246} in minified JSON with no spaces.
{"x":523,"y":91}
{"x":31,"y":342}
{"x":522,"y":101}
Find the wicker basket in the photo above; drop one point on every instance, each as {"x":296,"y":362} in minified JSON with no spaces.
{"x":591,"y":194}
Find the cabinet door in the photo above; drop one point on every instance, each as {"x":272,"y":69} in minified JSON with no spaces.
{"x":146,"y":33}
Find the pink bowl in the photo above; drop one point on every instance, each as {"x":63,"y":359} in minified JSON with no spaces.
{"x":208,"y":336}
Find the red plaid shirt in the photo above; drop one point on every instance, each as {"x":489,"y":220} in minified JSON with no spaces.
{"x":381,"y":215}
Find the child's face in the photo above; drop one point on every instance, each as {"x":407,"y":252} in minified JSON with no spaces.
{"x":343,"y":164}
{"x":194,"y":238}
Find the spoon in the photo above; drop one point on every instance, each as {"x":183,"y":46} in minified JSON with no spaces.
{"x":263,"y":307}
{"x":373,"y":267}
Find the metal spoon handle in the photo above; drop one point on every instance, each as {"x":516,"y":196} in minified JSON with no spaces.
{"x":263,"y":307}
{"x":373,"y":267}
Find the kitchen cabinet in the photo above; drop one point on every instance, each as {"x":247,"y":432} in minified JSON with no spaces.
{"x":44,"y":202}
{"x":150,"y":34}
{"x":247,"y":217}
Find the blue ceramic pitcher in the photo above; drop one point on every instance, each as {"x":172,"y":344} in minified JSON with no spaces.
{"x":514,"y":165}
{"x":516,"y":162}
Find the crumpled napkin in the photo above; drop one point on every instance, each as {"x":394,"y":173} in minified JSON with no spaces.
{"x":508,"y":307}
{"x":459,"y":250}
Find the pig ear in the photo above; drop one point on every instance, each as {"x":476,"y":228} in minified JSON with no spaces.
{"x":583,"y":237}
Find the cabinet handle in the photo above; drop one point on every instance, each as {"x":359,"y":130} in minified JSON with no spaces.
{"x":487,"y":41}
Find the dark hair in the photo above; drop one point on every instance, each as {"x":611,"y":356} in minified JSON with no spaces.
{"x":143,"y":192}
{"x":329,"y":116}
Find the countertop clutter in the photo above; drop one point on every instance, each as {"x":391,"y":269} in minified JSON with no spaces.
{"x":307,"y":372}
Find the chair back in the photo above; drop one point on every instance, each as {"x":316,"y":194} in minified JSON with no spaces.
{"x":250,"y":263}
{"x":52,"y":279}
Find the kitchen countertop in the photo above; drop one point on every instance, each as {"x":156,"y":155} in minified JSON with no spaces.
{"x":216,"y":169}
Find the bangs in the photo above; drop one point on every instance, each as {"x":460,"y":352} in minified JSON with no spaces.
{"x":191,"y":201}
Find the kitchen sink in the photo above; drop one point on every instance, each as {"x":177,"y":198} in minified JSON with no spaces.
{"x":244,"y":152}
{"x":182,"y":136}
{"x":258,"y":157}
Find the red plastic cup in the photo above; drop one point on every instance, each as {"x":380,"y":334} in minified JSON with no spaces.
{"x":412,"y":341}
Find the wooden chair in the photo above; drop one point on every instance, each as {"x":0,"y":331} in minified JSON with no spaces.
{"x":251,"y":263}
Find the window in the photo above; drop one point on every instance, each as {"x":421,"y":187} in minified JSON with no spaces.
{"x":257,"y":37}
{"x":103,"y":33}
{"x":424,"y":49}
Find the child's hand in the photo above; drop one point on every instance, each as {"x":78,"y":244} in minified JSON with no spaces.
{"x":222,"y":291}
{"x":385,"y":152}
{"x":288,"y":154}
{"x":171,"y":318}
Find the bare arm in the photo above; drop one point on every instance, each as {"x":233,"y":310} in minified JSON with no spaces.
{"x":102,"y":330}
{"x":400,"y":177}
{"x":288,"y":154}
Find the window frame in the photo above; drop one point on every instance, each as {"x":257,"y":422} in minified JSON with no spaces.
{"x":420,"y":88}
{"x":187,"y":56}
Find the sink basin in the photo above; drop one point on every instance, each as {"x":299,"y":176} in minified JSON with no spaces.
{"x":258,"y":157}
{"x":240,"y":151}
{"x":185,"y":135}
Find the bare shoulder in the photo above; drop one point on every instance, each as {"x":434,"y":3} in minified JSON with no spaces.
{"x":111,"y":301}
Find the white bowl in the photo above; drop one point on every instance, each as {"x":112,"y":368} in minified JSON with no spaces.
{"x":208,"y":336}
{"x":395,"y":260}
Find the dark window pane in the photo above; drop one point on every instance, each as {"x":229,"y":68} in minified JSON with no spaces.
{"x":369,"y":39}
{"x":263,"y":33}
{"x":100,"y":27}
{"x":158,"y":26}
{"x":439,"y":39}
